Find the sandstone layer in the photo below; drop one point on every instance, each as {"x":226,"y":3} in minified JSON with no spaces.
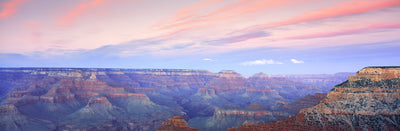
{"x":176,"y":123}
{"x":370,"y":100}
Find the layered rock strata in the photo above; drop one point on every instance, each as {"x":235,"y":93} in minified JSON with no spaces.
{"x":79,"y":102}
{"x":176,"y":123}
{"x":370,"y":100}
{"x":226,"y":117}
{"x":134,"y":99}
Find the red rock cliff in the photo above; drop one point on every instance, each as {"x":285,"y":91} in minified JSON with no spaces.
{"x":176,"y":123}
{"x":370,"y":100}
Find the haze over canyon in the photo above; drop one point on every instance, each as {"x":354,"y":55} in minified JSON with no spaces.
{"x":142,"y":99}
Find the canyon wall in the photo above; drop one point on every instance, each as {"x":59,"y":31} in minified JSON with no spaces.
{"x":139,"y":99}
{"x":370,"y":100}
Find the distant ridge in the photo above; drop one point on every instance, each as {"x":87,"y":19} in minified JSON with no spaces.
{"x":255,"y":106}
{"x":89,"y":68}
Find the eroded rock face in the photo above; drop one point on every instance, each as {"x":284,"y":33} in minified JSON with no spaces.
{"x":301,"y":103}
{"x":12,"y":120}
{"x":176,"y":123}
{"x":79,"y":103}
{"x":370,"y":100}
{"x":137,"y":99}
{"x":377,"y":74}
{"x":225,"y":117}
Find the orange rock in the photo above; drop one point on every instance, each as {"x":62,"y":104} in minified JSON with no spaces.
{"x":176,"y":123}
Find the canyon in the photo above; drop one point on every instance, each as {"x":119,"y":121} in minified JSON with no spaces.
{"x":144,"y":99}
{"x":325,"y":81}
{"x":370,"y":100}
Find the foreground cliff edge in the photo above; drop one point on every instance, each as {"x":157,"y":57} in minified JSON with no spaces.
{"x":370,"y":100}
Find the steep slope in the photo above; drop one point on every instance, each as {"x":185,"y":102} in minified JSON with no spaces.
{"x":176,"y":123}
{"x":14,"y":77}
{"x":12,"y":120}
{"x":226,"y":117}
{"x":78,"y":102}
{"x":301,"y":103}
{"x":370,"y":100}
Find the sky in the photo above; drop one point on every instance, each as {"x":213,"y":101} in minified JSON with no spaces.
{"x":248,"y":36}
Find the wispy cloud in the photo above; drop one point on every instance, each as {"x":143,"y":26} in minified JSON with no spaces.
{"x":194,"y":15}
{"x":296,"y":61}
{"x":341,"y":9}
{"x":184,"y":14}
{"x":72,"y":15}
{"x":260,"y":62}
{"x":196,"y":19}
{"x":234,"y":39}
{"x":10,"y":8}
{"x":347,"y":31}
{"x":205,"y":28}
{"x":32,"y":25}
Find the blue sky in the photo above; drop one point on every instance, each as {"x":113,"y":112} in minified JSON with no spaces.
{"x":249,"y":36}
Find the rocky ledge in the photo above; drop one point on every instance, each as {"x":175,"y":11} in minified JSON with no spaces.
{"x":176,"y":123}
{"x":370,"y":100}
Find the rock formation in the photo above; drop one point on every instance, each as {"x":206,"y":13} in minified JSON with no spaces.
{"x":79,"y":102}
{"x":226,"y":117}
{"x":136,"y":99}
{"x":11,"y":119}
{"x":301,"y":103}
{"x":370,"y":100}
{"x":176,"y":123}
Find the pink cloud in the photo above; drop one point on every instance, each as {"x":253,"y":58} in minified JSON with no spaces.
{"x":241,"y":8}
{"x":33,"y":25}
{"x":364,"y":29}
{"x":191,"y":16}
{"x":36,"y":36}
{"x":250,"y":8}
{"x":10,"y":8}
{"x":185,"y":13}
{"x":72,"y":15}
{"x":344,"y":8}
